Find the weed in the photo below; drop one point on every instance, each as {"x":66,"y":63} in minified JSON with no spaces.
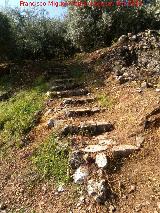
{"x":105,"y":101}
{"x":51,"y":160}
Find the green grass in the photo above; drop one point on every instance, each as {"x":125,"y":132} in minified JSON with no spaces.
{"x":51,"y":160}
{"x":17,"y":114}
{"x":105,"y":101}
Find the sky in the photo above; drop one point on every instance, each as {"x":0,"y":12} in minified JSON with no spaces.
{"x":57,"y":12}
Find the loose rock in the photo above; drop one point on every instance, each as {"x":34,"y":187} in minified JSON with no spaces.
{"x":80,"y":174}
{"x":144,"y":85}
{"x":132,"y":189}
{"x":98,"y":189}
{"x":139,"y":140}
{"x":101,"y":160}
{"x":76,"y":159}
{"x":157,"y":90}
{"x":50,"y":123}
{"x":60,"y":188}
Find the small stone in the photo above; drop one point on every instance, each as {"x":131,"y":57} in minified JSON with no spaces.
{"x":101,"y":160}
{"x":123,"y":38}
{"x":139,"y":140}
{"x":80,"y":175}
{"x":98,"y":189}
{"x":82,"y":198}
{"x":112,"y":209}
{"x":76,"y":159}
{"x":129,"y":34}
{"x":157,"y":89}
{"x":132,"y":189}
{"x":50,"y":123}
{"x":60,"y":188}
{"x":122,"y":79}
{"x":144,"y":85}
{"x":49,"y":102}
{"x":133,"y":38}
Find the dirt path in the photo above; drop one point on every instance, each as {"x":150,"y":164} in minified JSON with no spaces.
{"x":104,"y":138}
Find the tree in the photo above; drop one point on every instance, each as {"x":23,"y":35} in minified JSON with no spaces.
{"x":6,"y":37}
{"x":91,"y":27}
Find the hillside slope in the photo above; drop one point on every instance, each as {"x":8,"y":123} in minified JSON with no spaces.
{"x":95,"y":145}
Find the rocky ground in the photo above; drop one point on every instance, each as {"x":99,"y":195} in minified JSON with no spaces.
{"x":111,"y":119}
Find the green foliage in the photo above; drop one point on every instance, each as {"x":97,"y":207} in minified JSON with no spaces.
{"x":36,"y":36}
{"x":17,"y":114}
{"x":95,"y":27}
{"x":51,"y":160}
{"x":31,"y":34}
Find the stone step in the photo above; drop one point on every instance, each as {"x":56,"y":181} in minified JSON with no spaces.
{"x":124,"y":150}
{"x":81,"y":112}
{"x":90,"y":128}
{"x":75,"y":101}
{"x":58,"y":72}
{"x":68,"y":93}
{"x":65,"y":87}
{"x":63,"y":81}
{"x":121,"y":150}
{"x":60,"y":75}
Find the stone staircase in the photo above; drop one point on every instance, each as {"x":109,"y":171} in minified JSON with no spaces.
{"x":77,"y":102}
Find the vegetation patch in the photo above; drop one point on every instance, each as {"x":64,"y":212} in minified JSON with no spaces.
{"x":105,"y":101}
{"x":17,"y":114}
{"x":51,"y":160}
